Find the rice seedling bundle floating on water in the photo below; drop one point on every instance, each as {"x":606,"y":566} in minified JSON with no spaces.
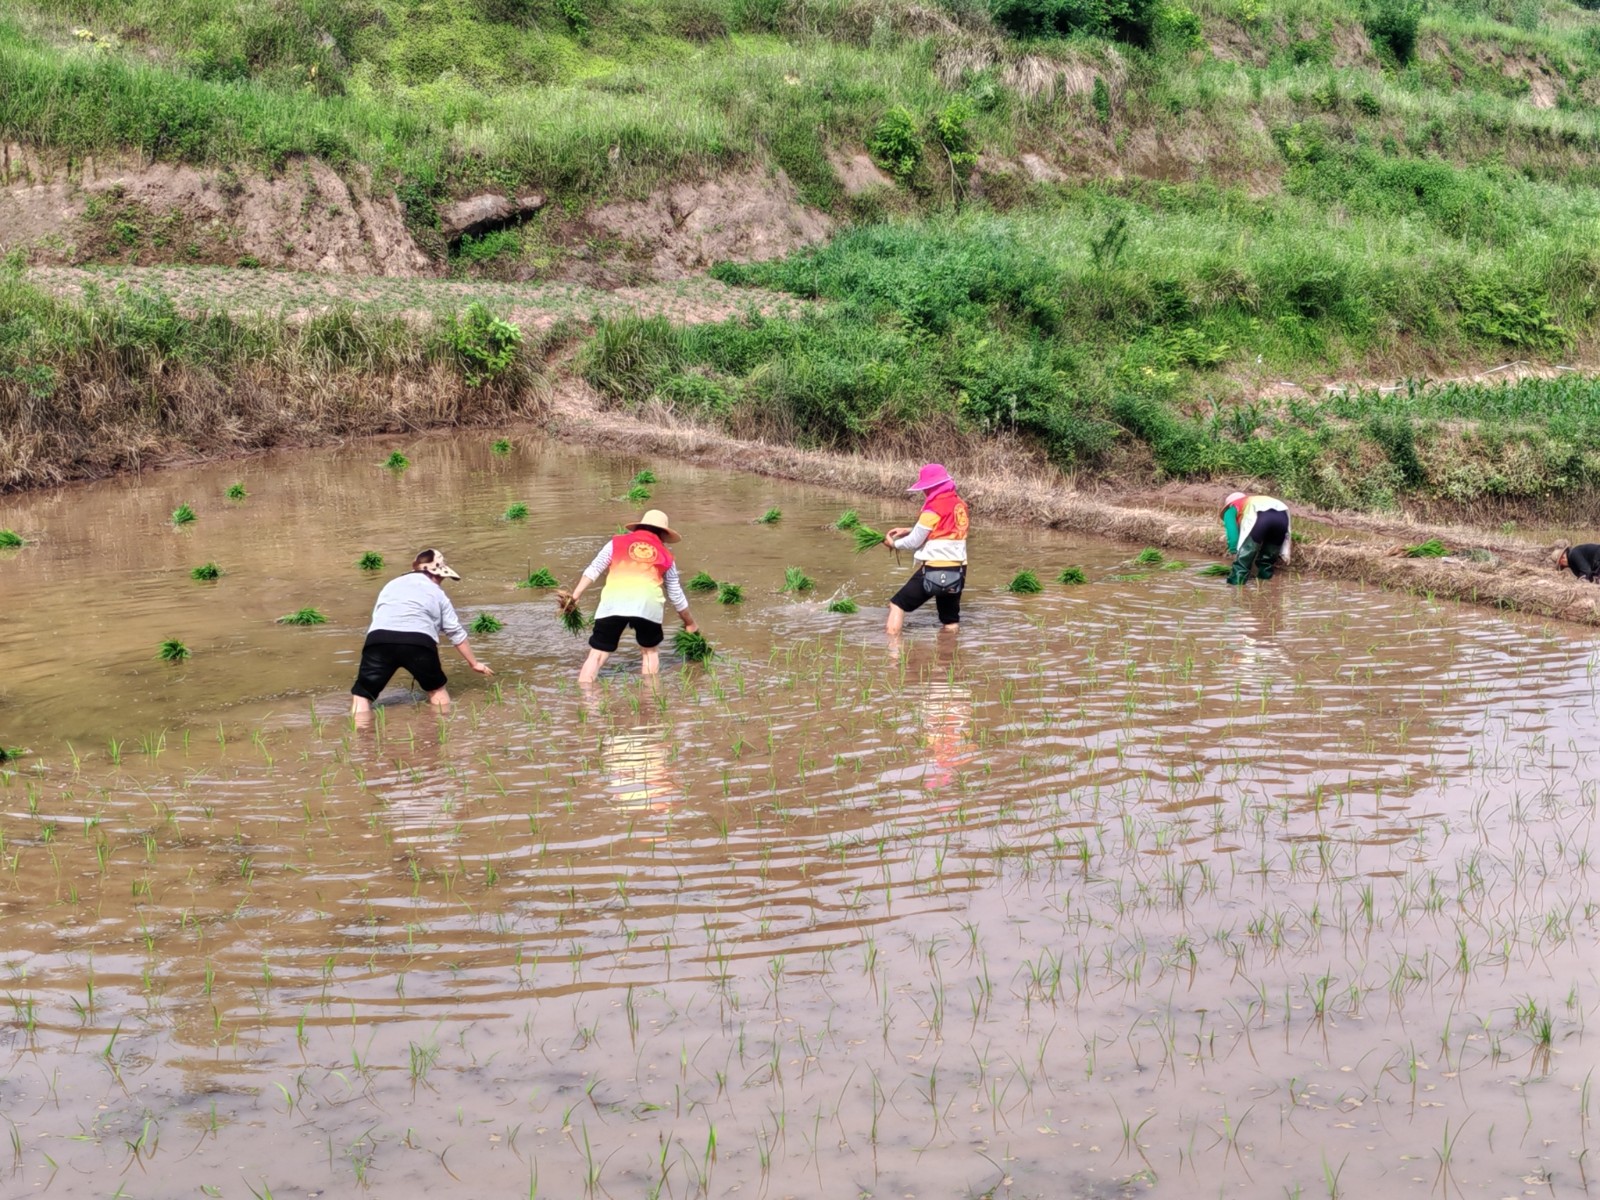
{"x":1025,"y":583}
{"x":172,"y":651}
{"x":1150,"y":557}
{"x":542,"y":578}
{"x":517,"y":512}
{"x":370,"y":561}
{"x":730,"y":593}
{"x":501,"y":446}
{"x":701,"y":582}
{"x":237,"y":492}
{"x":487,"y":623}
{"x":638,"y":493}
{"x":1214,"y":570}
{"x":771,"y":517}
{"x":847,"y":520}
{"x":693,"y":647}
{"x":1432,"y":548}
{"x":1072,"y":575}
{"x":183,"y":515}
{"x":397,"y":461}
{"x":645,"y":476}
{"x":206,"y":572}
{"x":796,"y":580}
{"x":866,"y":538}
{"x":303,"y":616}
{"x":842,"y":604}
{"x":11,"y":540}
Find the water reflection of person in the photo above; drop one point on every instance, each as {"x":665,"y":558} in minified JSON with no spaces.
{"x":636,"y":762}
{"x":944,"y":712}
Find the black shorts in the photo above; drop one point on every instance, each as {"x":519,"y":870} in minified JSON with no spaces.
{"x":915,"y":594}
{"x":386,"y":653}
{"x":607,"y":635}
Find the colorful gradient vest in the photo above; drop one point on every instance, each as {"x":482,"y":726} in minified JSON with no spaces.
{"x":639,"y":562}
{"x":947,"y":521}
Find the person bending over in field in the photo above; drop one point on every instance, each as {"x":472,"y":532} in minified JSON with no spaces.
{"x":638,"y":568}
{"x":1258,"y":534}
{"x":939,"y":540}
{"x":1583,"y":561}
{"x":407,"y":621}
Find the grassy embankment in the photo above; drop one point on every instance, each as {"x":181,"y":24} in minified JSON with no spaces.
{"x":1366,"y":191}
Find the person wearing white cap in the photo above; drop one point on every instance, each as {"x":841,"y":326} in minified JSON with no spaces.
{"x":638,"y":568}
{"x":1257,"y":528}
{"x":938,"y":542}
{"x":411,"y":613}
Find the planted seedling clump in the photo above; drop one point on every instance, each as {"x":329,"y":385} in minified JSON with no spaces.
{"x":1432,"y":548}
{"x":517,"y":512}
{"x":487,"y":623}
{"x":693,"y":647}
{"x":303,"y":616}
{"x":542,"y":578}
{"x":645,"y":476}
{"x":796,"y":580}
{"x":397,"y":461}
{"x":730,"y":593}
{"x":370,"y":561}
{"x":237,"y":492}
{"x":501,"y":446}
{"x":638,"y":493}
{"x":206,"y":572}
{"x":771,"y":517}
{"x":847,"y":520}
{"x":701,"y":582}
{"x":842,"y":604}
{"x":1025,"y":583}
{"x":183,"y":515}
{"x":866,"y":537}
{"x":11,"y":540}
{"x":172,"y":651}
{"x":1072,"y":575}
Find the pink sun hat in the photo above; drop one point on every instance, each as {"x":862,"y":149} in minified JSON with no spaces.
{"x":933,"y":474}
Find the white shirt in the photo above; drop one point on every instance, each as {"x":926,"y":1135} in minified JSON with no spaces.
{"x":414,"y":603}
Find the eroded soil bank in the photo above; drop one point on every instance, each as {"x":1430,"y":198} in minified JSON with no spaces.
{"x":1133,"y":884}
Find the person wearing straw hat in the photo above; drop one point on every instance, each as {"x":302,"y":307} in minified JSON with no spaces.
{"x":638,"y":568}
{"x":939,"y":544}
{"x":1583,"y":561}
{"x":411,"y":613}
{"x":1257,"y":528}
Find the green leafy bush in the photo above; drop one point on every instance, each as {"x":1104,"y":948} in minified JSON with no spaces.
{"x":1392,"y":25}
{"x":1130,"y":21}
{"x":485,"y":347}
{"x":895,"y":144}
{"x":952,"y":126}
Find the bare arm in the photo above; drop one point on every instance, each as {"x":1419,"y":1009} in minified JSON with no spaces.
{"x":464,"y":648}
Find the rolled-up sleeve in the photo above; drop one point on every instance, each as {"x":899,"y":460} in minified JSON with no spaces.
{"x":675,"y":589}
{"x":449,"y":623}
{"x":601,"y":563}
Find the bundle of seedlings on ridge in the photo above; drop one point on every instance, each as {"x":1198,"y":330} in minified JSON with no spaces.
{"x":1025,"y":583}
{"x":1432,"y":548}
{"x":693,"y":647}
{"x":865,"y":537}
{"x":303,"y":616}
{"x":701,"y":581}
{"x":542,"y":578}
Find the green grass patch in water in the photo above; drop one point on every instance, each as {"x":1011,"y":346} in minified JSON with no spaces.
{"x":1025,"y":583}
{"x":1072,"y":575}
{"x":397,"y":461}
{"x":638,"y":493}
{"x":771,"y":517}
{"x":236,"y":492}
{"x":701,"y":582}
{"x":1214,"y":570}
{"x":183,"y":515}
{"x":501,"y":447}
{"x":517,"y":512}
{"x":1150,"y":557}
{"x":173,"y":651}
{"x":842,"y":604}
{"x":206,"y":572}
{"x":303,"y":616}
{"x":542,"y":578}
{"x":11,"y":540}
{"x":370,"y":561}
{"x":693,"y":647}
{"x":487,"y":623}
{"x":730,"y":593}
{"x":645,"y":476}
{"x":847,"y":520}
{"x":796,"y":580}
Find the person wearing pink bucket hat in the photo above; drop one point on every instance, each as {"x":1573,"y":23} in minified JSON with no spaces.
{"x":938,"y":542}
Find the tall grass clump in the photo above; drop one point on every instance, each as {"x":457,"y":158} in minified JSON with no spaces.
{"x":206,"y":572}
{"x":303,"y":616}
{"x":542,"y":578}
{"x":1025,"y":583}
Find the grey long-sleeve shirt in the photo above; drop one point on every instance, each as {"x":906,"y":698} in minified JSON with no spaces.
{"x":414,"y":603}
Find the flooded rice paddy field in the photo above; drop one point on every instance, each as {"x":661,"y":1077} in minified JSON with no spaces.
{"x":1145,"y":887}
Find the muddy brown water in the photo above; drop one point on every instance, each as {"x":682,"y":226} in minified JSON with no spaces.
{"x":1146,"y":887}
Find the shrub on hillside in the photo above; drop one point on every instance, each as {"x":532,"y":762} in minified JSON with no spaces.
{"x":895,"y":145}
{"x":1392,"y":25}
{"x":485,"y":346}
{"x":1131,"y":21}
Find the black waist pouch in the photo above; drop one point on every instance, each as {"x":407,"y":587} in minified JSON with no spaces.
{"x":943,"y":581}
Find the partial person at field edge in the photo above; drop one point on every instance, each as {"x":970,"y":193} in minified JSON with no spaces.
{"x":1583,"y":561}
{"x":411,"y":613}
{"x":939,"y":544}
{"x":1257,"y":528}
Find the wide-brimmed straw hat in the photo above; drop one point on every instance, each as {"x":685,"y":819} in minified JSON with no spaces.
{"x":933,"y":474}
{"x":1557,"y":555}
{"x":435,"y":565}
{"x":656,"y":519}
